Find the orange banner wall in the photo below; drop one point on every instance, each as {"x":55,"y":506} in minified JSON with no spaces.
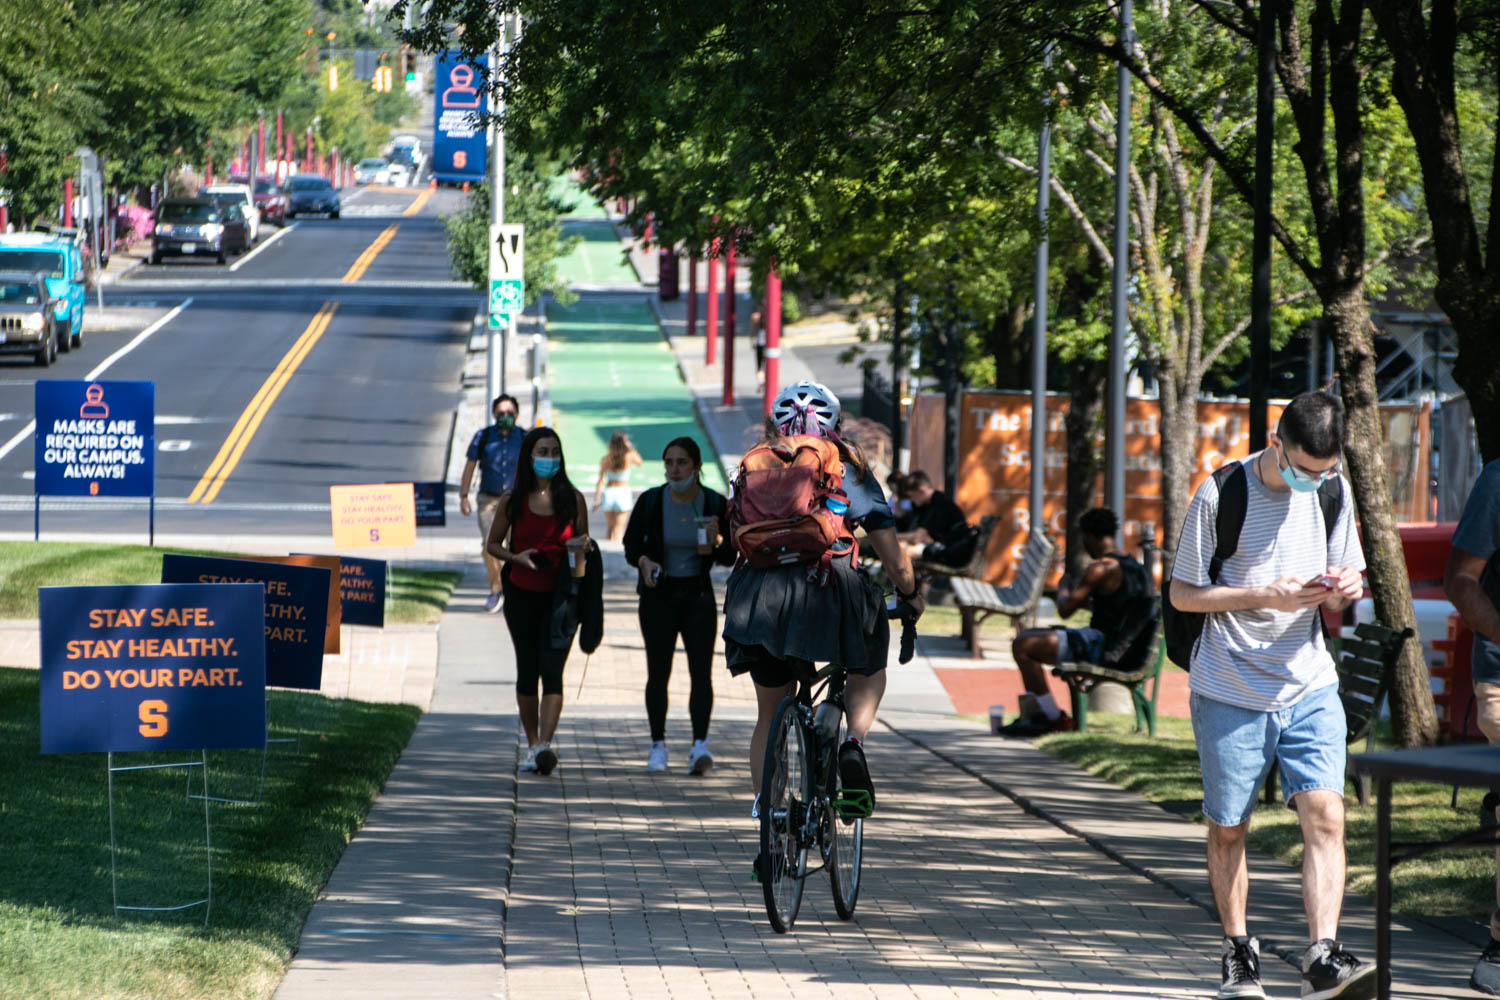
{"x":994,"y":473}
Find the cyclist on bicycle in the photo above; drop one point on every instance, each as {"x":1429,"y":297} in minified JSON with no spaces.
{"x":779,"y":622}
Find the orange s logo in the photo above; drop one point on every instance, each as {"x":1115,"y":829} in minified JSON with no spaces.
{"x":153,"y":716}
{"x":93,"y":489}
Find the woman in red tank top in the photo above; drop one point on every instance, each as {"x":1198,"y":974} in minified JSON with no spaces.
{"x":533,"y":526}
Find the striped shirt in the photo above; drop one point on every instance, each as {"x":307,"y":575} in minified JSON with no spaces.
{"x":1264,"y":659}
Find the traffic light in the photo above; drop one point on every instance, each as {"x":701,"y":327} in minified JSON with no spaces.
{"x":333,"y":77}
{"x":408,"y":64}
{"x":382,"y":81}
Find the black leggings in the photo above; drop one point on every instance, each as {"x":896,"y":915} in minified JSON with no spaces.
{"x":528,"y":615}
{"x":673,"y":608}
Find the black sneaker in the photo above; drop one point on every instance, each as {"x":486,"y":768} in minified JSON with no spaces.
{"x":1330,"y":971}
{"x":854,"y":775}
{"x":1486,"y":975}
{"x":1241,"y":969}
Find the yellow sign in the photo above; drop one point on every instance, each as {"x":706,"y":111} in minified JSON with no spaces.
{"x":373,"y":515}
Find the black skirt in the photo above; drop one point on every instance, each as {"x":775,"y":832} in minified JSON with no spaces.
{"x":788,"y":616}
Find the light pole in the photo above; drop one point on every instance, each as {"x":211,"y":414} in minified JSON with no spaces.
{"x":1039,"y":318}
{"x":1114,"y":465}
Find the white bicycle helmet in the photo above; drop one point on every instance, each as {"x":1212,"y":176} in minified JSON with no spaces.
{"x":805,"y":408}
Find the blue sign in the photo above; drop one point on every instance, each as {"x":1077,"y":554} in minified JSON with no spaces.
{"x":431,"y":504}
{"x":362,"y":591}
{"x":152,"y":667}
{"x":458,"y":139}
{"x":95,"y":438}
{"x":296,"y":610}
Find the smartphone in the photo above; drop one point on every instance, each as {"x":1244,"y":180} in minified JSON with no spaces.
{"x":1325,"y":581}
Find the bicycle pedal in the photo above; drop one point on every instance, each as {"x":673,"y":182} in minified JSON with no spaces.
{"x":854,"y":803}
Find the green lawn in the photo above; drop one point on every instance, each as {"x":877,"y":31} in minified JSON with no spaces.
{"x":1165,"y":770}
{"x":59,"y":935}
{"x":417,"y":596}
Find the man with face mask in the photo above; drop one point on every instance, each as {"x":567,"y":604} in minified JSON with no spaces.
{"x":494,"y":450}
{"x":1264,"y":686}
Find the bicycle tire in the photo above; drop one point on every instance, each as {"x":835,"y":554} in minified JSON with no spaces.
{"x":846,"y":846}
{"x":785,"y":784}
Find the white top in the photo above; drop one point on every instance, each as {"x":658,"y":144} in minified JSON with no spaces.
{"x":1262,"y":659}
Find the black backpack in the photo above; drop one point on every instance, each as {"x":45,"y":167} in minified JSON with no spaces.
{"x":1182,"y":628}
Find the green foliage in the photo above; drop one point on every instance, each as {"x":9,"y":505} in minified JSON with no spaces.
{"x":531,"y":202}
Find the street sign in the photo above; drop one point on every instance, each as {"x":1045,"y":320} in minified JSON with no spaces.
{"x":507,"y":272}
{"x":94,"y":438}
{"x":152,"y":667}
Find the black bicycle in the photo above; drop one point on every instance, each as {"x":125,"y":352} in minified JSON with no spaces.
{"x":803,"y":804}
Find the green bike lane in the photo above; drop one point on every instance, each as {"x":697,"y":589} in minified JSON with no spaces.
{"x":610,"y":367}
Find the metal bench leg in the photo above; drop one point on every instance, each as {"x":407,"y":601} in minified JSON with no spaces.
{"x":1080,"y":709}
{"x":971,"y":631}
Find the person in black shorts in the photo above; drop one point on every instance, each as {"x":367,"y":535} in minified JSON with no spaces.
{"x":778,"y":623}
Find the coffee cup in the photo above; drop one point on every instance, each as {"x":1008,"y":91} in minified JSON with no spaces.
{"x":577,"y":550}
{"x":708,"y":535}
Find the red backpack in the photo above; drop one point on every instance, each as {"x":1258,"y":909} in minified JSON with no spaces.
{"x":779,"y":513}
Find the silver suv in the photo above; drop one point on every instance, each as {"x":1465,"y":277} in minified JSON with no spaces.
{"x":28,"y":317}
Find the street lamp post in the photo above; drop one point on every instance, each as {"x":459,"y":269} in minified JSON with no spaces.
{"x":730,"y":308}
{"x":1114,"y":488}
{"x":711,"y":305}
{"x":772,"y":310}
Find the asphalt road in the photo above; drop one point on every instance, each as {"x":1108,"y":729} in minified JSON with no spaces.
{"x":332,"y":353}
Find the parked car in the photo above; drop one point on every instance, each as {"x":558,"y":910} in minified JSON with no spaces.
{"x":411,"y":150}
{"x":270,"y":199}
{"x":29,"y":323}
{"x":312,"y":195}
{"x":225,"y":193}
{"x":60,"y":261}
{"x":194,"y":227}
{"x":372,"y":170}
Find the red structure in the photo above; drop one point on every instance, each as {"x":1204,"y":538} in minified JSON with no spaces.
{"x":711,"y":305}
{"x":729,"y":311}
{"x":68,"y":202}
{"x":772,"y":312}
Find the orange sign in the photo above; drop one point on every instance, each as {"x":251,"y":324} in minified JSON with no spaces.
{"x":994,"y":475}
{"x":335,"y":603}
{"x":373,"y":515}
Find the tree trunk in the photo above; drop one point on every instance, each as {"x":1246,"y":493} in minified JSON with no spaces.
{"x":1179,"y":438}
{"x":1085,"y":411}
{"x":1412,"y":713}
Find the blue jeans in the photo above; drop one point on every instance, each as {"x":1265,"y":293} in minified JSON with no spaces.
{"x":1084,"y":645}
{"x":1237,"y":745}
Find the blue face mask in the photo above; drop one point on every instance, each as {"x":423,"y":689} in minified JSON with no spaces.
{"x":1294,"y":479}
{"x":546,"y":468}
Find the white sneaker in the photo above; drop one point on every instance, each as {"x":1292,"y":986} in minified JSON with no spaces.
{"x":657,"y":759}
{"x":700,"y":761}
{"x":528,"y":760}
{"x":546,"y":758}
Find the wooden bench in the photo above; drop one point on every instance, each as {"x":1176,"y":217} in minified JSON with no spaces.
{"x":1365,"y":663}
{"x":1083,"y":677}
{"x":977,"y":600}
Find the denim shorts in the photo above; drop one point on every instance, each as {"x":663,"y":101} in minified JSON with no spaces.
{"x":1236,"y":746}
{"x":1080,"y":645}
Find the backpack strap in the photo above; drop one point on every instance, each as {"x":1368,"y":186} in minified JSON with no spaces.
{"x":1234,"y":497}
{"x":1331,"y":499}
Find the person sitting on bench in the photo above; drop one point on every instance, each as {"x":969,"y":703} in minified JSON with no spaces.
{"x":939,"y":533}
{"x":1116,"y":584}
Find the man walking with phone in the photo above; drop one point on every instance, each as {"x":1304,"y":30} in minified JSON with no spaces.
{"x":1264,"y":687}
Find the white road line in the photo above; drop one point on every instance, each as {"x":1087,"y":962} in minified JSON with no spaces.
{"x":25,"y":432}
{"x":263,"y":244}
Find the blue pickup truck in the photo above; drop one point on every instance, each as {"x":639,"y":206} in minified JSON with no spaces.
{"x":59,"y":260}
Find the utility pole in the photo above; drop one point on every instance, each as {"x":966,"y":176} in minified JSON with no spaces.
{"x":1114,"y":491}
{"x":1260,"y":239}
{"x":499,"y":340}
{"x":1039,"y":317}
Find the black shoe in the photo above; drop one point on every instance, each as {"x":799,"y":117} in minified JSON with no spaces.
{"x":1241,"y":968}
{"x":854,"y":776}
{"x":546,"y":759}
{"x":1486,"y":975}
{"x":1329,"y":971}
{"x":1027,"y":727}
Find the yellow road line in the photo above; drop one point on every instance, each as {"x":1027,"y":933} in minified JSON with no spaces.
{"x":416,"y":206}
{"x":245,"y":427}
{"x":362,"y":263}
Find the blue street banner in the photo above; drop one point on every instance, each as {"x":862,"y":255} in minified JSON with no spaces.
{"x":432,"y":502}
{"x":362,"y":591}
{"x":95,"y":438}
{"x":153,"y":667}
{"x":296,"y":610}
{"x":458,"y":139}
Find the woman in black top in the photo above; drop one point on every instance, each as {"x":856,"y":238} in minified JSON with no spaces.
{"x":677,"y":531}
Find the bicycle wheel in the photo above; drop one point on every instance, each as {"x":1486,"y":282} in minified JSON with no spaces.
{"x":846,"y":846}
{"x":785,"y":784}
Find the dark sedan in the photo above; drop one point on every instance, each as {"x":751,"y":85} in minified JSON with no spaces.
{"x":198,"y":227}
{"x":309,"y":194}
{"x":28,"y":317}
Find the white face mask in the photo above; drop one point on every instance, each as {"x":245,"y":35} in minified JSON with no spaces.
{"x":683,"y":485}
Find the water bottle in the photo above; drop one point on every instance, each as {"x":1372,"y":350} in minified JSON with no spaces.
{"x":826,"y":723}
{"x":837,"y":506}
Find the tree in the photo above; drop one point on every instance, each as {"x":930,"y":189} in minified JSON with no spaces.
{"x":1453,"y":127}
